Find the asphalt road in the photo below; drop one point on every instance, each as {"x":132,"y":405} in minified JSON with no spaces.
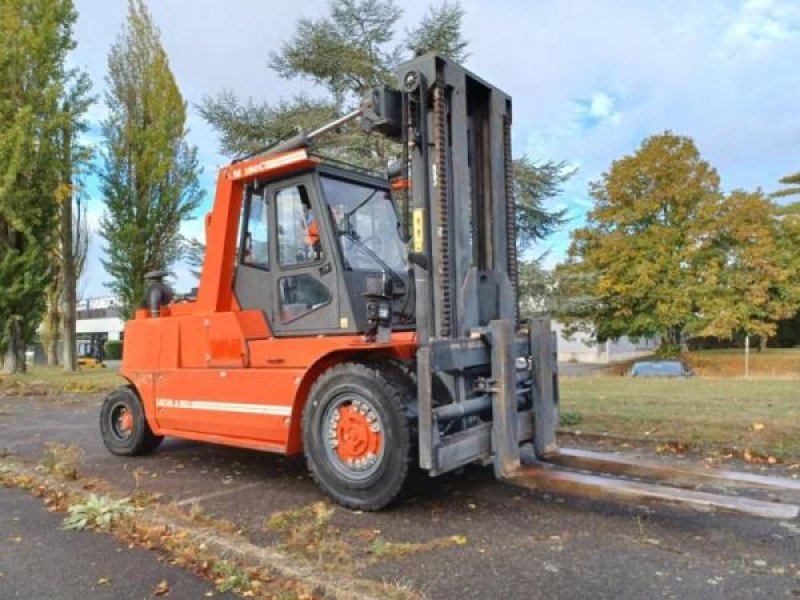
{"x":39,"y":560}
{"x":519,"y":544}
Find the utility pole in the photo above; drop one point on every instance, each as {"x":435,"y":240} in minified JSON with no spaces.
{"x":747,"y":356}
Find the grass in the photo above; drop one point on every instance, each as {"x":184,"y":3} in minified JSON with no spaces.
{"x":759,"y":415}
{"x":63,"y":461}
{"x":40,"y":380}
{"x":772,"y":362}
{"x":309,"y":532}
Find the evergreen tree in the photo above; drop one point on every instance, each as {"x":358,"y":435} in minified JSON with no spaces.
{"x":440,"y":32}
{"x":346,"y":53}
{"x":149,"y":172}
{"x":793,"y":181}
{"x":35,"y":37}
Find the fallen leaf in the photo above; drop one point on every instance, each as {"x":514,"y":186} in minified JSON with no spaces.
{"x":104,"y":581}
{"x":16,"y":539}
{"x":653,"y":542}
{"x":162,"y":589}
{"x":758,"y":426}
{"x":459,"y":539}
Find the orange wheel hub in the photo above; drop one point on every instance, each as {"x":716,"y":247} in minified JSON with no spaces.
{"x":357,"y":438}
{"x":126,"y":422}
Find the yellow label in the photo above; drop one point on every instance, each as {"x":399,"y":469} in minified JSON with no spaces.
{"x":418,"y":230}
{"x":344,"y":323}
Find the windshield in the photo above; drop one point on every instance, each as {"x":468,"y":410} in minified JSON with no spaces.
{"x":366,"y":221}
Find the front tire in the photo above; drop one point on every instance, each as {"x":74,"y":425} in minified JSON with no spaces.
{"x":123,"y":425}
{"x":356,"y":434}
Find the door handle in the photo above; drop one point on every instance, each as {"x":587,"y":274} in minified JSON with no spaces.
{"x":325,"y":269}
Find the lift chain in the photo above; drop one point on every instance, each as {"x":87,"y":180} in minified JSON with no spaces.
{"x":511,"y":214}
{"x":440,"y":181}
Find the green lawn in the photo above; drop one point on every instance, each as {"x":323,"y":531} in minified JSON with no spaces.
{"x":56,"y":379}
{"x":762,"y":415}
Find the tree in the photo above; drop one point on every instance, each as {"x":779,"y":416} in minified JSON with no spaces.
{"x":790,"y":180}
{"x":69,"y":252}
{"x":754,"y":283}
{"x":640,"y":257}
{"x":149,"y":172}
{"x":347,"y":53}
{"x":535,"y":289}
{"x":61,"y":293}
{"x":440,"y":31}
{"x":534,"y":184}
{"x":35,"y":37}
{"x":74,"y":232}
{"x":193,"y":253}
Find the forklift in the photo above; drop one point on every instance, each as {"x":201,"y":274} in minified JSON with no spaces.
{"x":319,"y":327}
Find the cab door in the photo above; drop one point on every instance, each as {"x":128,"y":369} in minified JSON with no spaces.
{"x":286,"y":266}
{"x":305,"y":294}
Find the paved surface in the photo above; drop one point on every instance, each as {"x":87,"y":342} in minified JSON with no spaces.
{"x":39,"y":560}
{"x":520,"y":544}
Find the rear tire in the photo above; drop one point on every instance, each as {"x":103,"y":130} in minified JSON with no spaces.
{"x":123,"y":425}
{"x":356,"y":434}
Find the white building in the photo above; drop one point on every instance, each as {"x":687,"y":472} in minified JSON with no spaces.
{"x":97,"y":321}
{"x":581,"y":347}
{"x":99,"y":316}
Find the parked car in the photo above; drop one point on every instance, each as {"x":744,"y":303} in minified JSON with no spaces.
{"x":660,"y":368}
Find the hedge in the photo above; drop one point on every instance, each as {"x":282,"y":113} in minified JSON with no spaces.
{"x":113,"y":350}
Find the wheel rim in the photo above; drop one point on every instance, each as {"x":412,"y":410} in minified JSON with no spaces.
{"x":121,"y":422}
{"x":353,"y":436}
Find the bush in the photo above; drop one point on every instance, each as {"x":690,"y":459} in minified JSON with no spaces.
{"x":113,"y":350}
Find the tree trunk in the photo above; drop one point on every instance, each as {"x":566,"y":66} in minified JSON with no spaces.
{"x":52,"y":352}
{"x":52,"y":327}
{"x":68,"y":279}
{"x":14,"y":361}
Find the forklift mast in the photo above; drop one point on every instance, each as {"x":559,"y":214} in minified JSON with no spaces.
{"x":475,"y":380}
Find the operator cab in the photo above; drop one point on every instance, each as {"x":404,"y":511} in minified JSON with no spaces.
{"x":317,"y":247}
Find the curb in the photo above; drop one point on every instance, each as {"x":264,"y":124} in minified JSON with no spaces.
{"x":338,"y":586}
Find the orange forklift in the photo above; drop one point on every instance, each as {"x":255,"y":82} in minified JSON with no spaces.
{"x":374,"y":340}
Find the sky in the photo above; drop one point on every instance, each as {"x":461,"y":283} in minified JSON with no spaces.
{"x":590,"y":79}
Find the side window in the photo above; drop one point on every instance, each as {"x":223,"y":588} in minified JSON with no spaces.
{"x":256,"y":237}
{"x":298,"y":229}
{"x":299,"y":295}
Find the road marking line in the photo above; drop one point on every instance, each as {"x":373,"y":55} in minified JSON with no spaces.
{"x":204,"y":497}
{"x":258,"y":409}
